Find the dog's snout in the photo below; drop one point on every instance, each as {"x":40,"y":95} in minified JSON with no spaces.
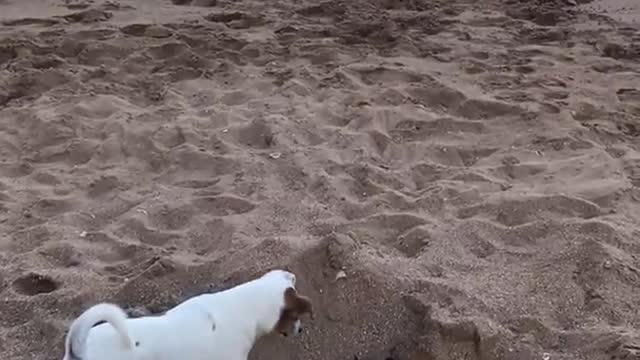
{"x":300,"y":330}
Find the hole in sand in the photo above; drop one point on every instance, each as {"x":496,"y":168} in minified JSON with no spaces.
{"x":34,"y":284}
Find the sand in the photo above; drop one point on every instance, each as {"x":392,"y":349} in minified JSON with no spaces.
{"x":449,"y":179}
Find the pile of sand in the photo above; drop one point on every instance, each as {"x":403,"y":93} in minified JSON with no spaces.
{"x":472,"y":167}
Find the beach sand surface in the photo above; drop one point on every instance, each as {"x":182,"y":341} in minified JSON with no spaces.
{"x":450,"y":180}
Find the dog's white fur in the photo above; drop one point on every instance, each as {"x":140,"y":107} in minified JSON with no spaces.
{"x":218,"y":326}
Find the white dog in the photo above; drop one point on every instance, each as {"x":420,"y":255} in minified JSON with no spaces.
{"x":218,"y":326}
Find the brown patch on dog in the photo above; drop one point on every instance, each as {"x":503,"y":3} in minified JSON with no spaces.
{"x":295,"y":306}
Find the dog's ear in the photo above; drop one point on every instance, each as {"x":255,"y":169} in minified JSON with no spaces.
{"x":298,"y":303}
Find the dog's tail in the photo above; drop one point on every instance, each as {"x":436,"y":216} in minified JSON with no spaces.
{"x":76,"y":341}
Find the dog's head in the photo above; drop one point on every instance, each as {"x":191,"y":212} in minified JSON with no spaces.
{"x":292,"y":306}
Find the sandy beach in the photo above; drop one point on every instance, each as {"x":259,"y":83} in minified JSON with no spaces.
{"x":449,"y":180}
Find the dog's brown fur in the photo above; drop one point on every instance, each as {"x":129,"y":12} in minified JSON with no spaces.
{"x":296,"y":305}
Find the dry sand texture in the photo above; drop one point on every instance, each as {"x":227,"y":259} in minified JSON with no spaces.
{"x":471,"y":166}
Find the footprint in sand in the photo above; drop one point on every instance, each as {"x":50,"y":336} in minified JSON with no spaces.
{"x":33,"y":284}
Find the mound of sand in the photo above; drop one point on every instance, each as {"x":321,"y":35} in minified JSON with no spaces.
{"x":452,"y":179}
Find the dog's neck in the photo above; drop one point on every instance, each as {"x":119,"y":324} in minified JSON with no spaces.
{"x":250,"y":309}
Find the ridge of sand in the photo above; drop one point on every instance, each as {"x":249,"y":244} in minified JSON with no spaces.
{"x":471,"y":166}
